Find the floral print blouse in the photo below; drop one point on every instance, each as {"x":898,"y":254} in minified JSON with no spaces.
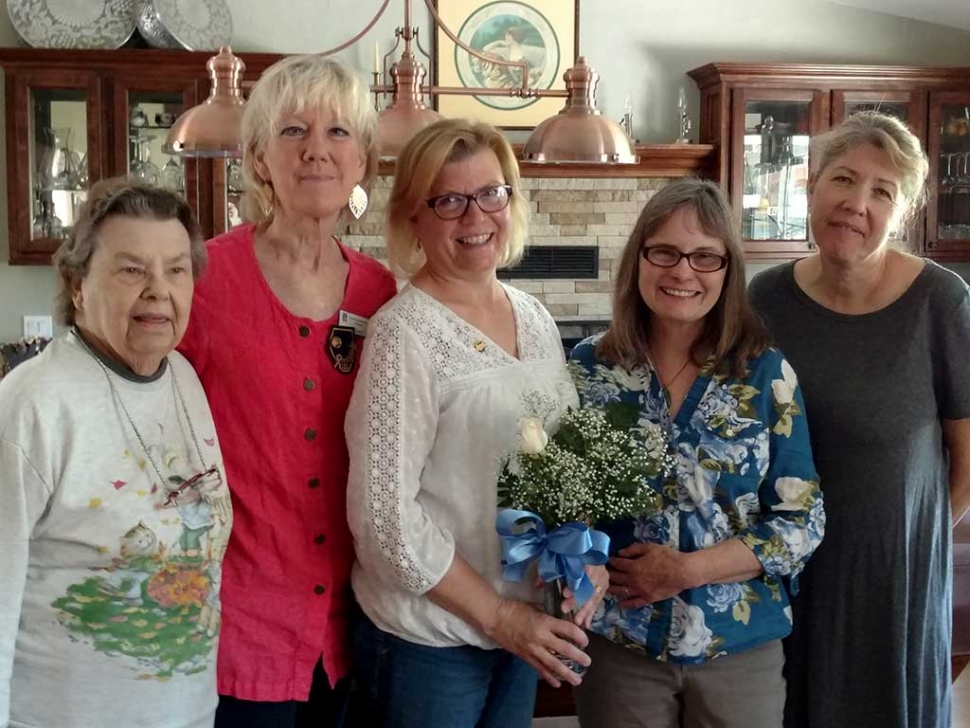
{"x":744,"y":470}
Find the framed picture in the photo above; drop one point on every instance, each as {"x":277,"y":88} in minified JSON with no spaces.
{"x":543,"y":33}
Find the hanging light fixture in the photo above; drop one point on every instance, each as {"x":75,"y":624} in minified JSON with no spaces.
{"x":214,"y":127}
{"x":580,"y":133}
{"x":577,"y":134}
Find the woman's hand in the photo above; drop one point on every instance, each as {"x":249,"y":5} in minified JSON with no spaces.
{"x":539,"y":639}
{"x":645,"y":573}
{"x":601,"y":582}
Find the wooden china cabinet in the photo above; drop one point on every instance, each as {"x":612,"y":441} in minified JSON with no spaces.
{"x":77,"y":116}
{"x":763,"y":116}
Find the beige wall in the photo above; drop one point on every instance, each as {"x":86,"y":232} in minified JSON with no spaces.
{"x":640,"y":48}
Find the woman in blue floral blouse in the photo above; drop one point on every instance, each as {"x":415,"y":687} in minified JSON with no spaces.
{"x":701,"y":589}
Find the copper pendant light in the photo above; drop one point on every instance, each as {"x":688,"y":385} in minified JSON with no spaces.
{"x":580,"y":133}
{"x":408,"y":113}
{"x":214,"y":127}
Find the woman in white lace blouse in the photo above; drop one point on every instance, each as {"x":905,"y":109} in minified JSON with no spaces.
{"x":445,"y":641}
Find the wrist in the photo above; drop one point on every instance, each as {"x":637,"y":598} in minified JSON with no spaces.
{"x":491,"y":618}
{"x":695,"y":569}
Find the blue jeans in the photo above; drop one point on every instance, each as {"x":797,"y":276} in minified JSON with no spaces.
{"x":406,"y":685}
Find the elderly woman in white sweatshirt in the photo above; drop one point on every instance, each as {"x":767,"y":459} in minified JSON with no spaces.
{"x":114,"y":516}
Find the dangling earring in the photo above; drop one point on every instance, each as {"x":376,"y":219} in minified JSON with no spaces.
{"x":267,"y":201}
{"x":357,"y":202}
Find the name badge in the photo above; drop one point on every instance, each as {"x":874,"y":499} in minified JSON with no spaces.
{"x":357,"y":323}
{"x":342,"y":348}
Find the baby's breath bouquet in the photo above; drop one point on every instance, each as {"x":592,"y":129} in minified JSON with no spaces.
{"x":596,"y":467}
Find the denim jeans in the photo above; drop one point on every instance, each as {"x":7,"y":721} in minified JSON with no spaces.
{"x":406,"y":685}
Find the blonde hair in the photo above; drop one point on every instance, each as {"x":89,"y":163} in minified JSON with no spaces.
{"x":732,"y":331}
{"x":292,"y":85}
{"x":888,"y":134}
{"x":111,"y":198}
{"x":418,"y":166}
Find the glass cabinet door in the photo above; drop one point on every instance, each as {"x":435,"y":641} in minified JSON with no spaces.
{"x":145,"y":109}
{"x":948,"y":214}
{"x":770,"y":179}
{"x":51,"y":174}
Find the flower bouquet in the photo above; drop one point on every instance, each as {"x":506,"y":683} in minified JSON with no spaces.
{"x":594,"y":468}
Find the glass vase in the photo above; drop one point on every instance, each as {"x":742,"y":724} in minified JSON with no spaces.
{"x":59,"y":163}
{"x":553,"y":598}
{"x":142,"y":169}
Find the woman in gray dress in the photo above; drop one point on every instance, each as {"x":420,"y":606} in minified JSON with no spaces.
{"x":879,"y":340}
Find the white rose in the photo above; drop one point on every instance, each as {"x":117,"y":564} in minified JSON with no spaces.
{"x":534,"y":437}
{"x":791,"y":491}
{"x":784,"y":389}
{"x":689,"y":636}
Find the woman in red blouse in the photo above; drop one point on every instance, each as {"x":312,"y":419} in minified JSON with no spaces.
{"x":278,"y":323}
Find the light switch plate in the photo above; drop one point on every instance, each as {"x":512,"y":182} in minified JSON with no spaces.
{"x":38,"y":326}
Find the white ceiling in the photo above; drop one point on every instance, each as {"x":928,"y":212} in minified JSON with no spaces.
{"x":952,"y":13}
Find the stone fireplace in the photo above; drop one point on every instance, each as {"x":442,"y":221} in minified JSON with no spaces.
{"x":594,"y":212}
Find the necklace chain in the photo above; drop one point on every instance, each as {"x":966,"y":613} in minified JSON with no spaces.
{"x":117,"y":395}
{"x":665,"y":387}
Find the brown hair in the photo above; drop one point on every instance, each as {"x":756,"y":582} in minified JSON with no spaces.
{"x":732,"y":331}
{"x":418,"y":166}
{"x":108,"y":198}
{"x":891,"y":136}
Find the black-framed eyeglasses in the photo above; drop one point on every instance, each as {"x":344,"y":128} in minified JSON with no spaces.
{"x":663,"y":256}
{"x":454,"y":205}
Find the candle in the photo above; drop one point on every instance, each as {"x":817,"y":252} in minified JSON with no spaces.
{"x":377,"y":57}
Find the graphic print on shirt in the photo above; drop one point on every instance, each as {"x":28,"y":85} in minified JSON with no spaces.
{"x":157,"y":601}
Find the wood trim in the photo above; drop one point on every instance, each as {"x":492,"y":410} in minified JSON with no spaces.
{"x":25,"y":250}
{"x":819,"y":73}
{"x":656,"y":160}
{"x":150,"y":62}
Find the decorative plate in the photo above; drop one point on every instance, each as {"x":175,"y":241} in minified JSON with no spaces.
{"x":72,"y":23}
{"x":199,"y":25}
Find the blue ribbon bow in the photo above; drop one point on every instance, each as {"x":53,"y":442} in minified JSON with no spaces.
{"x":563,"y":553}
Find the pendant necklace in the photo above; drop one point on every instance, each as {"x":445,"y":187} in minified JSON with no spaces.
{"x":665,"y":387}
{"x":144,"y":446}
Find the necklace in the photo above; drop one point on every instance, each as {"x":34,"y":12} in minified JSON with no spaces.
{"x":665,"y":386}
{"x":117,"y":396}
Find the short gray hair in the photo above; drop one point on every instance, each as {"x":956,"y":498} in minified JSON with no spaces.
{"x":891,"y":136}
{"x":291,"y":85}
{"x":111,"y":198}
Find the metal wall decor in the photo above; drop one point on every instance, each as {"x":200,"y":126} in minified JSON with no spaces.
{"x":195,"y":25}
{"x":72,"y":23}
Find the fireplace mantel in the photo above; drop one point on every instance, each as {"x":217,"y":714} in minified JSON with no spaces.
{"x":656,"y":160}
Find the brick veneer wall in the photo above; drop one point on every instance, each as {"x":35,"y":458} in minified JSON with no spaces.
{"x":565,"y":211}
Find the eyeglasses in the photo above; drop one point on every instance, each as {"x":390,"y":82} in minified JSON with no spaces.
{"x":664,"y":256}
{"x":185,"y":485}
{"x":453,"y":205}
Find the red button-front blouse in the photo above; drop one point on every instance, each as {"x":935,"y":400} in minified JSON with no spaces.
{"x":278,"y":398}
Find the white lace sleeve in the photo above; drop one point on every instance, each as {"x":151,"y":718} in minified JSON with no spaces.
{"x":390,"y":427}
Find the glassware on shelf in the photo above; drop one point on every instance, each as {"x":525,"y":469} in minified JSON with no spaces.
{"x":173,"y":176}
{"x":142,"y":168}
{"x":83,"y":173}
{"x":60,"y":163}
{"x":137,"y":117}
{"x":45,"y":223}
{"x":234,"y":176}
